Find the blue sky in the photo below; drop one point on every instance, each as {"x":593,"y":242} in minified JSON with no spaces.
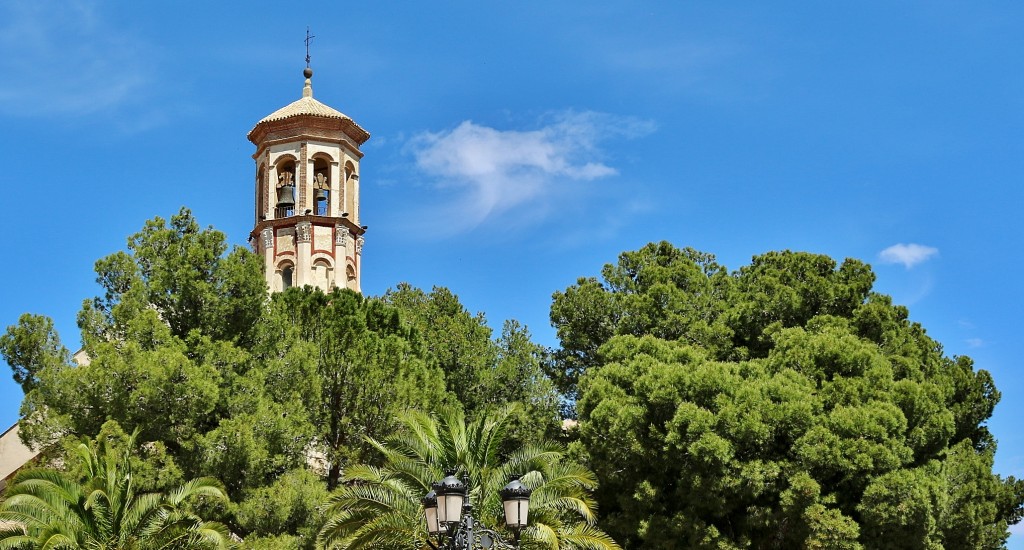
{"x":518,"y":146}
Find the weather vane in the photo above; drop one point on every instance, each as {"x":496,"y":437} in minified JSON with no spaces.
{"x":309,"y":38}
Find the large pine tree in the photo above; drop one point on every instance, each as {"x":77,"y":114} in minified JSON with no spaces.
{"x":782,"y":405}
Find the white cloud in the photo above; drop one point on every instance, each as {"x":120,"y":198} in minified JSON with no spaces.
{"x":492,"y":171}
{"x":907,"y":254}
{"x":975,"y":342}
{"x":64,"y":58}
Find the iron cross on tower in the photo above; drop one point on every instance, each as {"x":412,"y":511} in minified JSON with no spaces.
{"x":309,"y":38}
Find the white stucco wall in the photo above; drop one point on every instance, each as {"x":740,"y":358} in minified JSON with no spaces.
{"x":13,"y":454}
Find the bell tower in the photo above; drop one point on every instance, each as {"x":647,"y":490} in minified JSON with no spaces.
{"x":307,"y":195}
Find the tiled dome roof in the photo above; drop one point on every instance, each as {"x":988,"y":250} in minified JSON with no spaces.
{"x":307,"y":106}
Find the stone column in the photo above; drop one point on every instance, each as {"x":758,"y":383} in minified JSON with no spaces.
{"x":269,"y":269}
{"x":303,"y":169}
{"x":335,"y":208}
{"x":359,"y":263}
{"x":341,"y":256}
{"x":355,"y":200}
{"x":272,"y":189}
{"x":303,"y":253}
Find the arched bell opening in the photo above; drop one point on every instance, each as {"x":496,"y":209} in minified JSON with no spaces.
{"x":285,"y":189}
{"x":261,"y":193}
{"x":321,"y":185}
{"x":351,"y":180}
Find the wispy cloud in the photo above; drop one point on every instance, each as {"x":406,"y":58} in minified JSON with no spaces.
{"x":492,"y":171}
{"x":975,"y":342}
{"x":605,"y":224}
{"x":63,"y":58}
{"x":907,"y":254}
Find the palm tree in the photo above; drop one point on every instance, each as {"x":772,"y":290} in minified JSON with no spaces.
{"x":47,"y":509}
{"x":379,"y":507}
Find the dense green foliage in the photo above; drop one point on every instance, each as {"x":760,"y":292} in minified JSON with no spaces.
{"x":103,"y":507}
{"x":783,"y":405}
{"x":378,"y":507}
{"x":484,"y":375}
{"x":272,"y":396}
{"x":32,"y":347}
{"x":351,"y":364}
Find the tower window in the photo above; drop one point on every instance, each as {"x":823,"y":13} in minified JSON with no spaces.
{"x":350,"y":274}
{"x":321,"y":194}
{"x":321,"y":186}
{"x":285,"y":190}
{"x":286,"y":277}
{"x":322,"y":275}
{"x":351,"y":181}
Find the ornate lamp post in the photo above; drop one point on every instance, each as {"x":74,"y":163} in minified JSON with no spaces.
{"x":450,"y":520}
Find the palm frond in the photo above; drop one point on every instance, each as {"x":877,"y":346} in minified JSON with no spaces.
{"x":54,"y":511}
{"x":540,"y":536}
{"x":586,"y":537}
{"x":16,"y":542}
{"x":378,"y":507}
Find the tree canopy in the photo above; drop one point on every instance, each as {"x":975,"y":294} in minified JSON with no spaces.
{"x":781,"y":405}
{"x":784,"y":404}
{"x":274,"y":396}
{"x":484,"y":374}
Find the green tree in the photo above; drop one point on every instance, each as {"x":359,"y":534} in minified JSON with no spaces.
{"x":185,"y":275}
{"x":172,"y":349}
{"x":782,"y":405}
{"x":286,"y":514}
{"x":359,"y":364}
{"x":268,"y":395}
{"x":455,"y":340}
{"x":658,"y":290}
{"x":484,"y":374}
{"x":379,"y":507}
{"x":103,"y":508}
{"x":30,"y":347}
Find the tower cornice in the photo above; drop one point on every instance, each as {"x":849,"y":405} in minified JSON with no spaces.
{"x":308,"y":137}
{"x":305,"y":126}
{"x":321,"y":221}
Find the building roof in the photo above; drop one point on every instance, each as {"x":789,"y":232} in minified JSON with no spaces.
{"x":307,"y":106}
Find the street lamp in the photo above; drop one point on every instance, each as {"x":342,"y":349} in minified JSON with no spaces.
{"x":449,"y":516}
{"x":516,"y":498}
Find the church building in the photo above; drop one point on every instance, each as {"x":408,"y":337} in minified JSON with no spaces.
{"x":306,"y":223}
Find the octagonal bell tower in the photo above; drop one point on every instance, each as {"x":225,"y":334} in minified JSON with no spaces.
{"x":307,"y":195}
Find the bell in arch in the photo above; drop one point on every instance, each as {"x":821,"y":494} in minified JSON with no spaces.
{"x":320,"y":183}
{"x":285,"y":191}
{"x":286,"y":196}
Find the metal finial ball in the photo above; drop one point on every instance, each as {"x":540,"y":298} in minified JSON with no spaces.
{"x":308,"y":72}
